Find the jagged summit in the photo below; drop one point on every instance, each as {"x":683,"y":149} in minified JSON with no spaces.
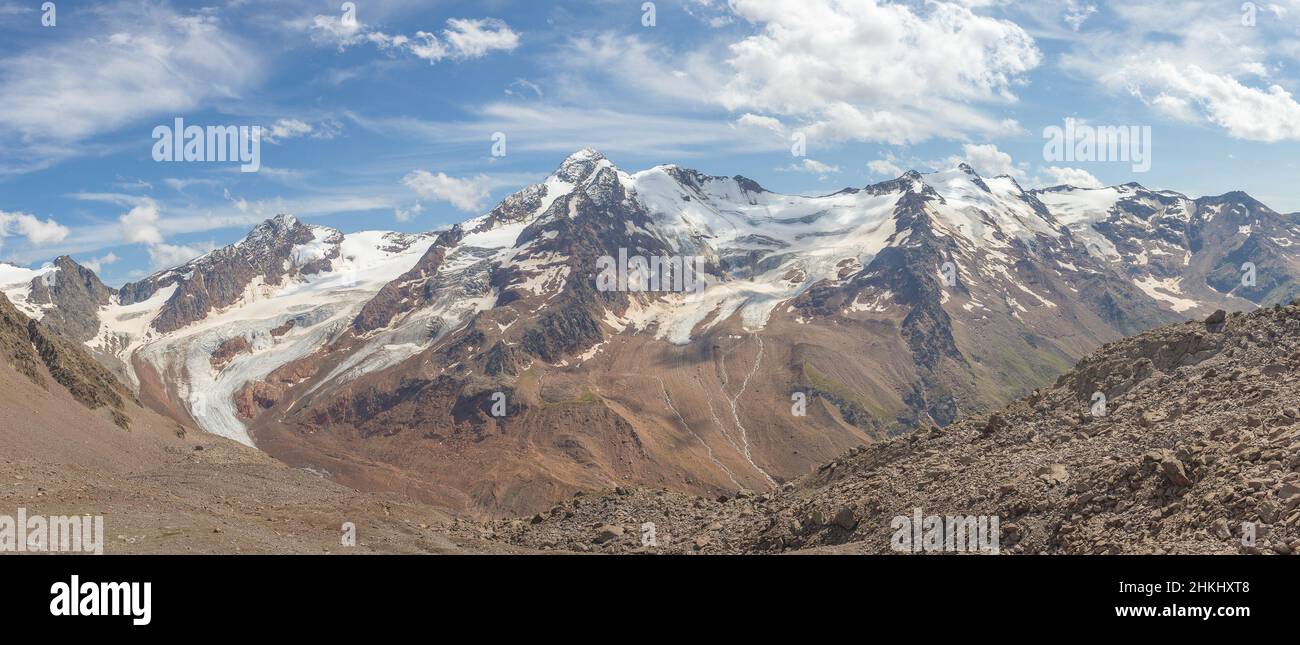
{"x":279,"y":227}
{"x":578,"y":166}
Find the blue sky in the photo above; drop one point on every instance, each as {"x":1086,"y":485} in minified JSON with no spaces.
{"x":385,"y":121}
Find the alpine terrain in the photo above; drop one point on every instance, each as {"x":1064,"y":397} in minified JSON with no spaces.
{"x":486,"y":368}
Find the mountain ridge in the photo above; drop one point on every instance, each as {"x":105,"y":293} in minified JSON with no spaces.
{"x":905,"y":303}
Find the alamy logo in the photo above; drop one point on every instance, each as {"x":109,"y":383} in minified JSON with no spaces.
{"x":658,"y":273}
{"x":1080,"y":142}
{"x":225,"y":143}
{"x":1248,"y":274}
{"x":649,"y":535}
{"x":56,"y":533}
{"x":1098,"y":408}
{"x":76,"y":598}
{"x":952,"y":533}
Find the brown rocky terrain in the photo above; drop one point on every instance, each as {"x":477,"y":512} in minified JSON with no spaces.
{"x":48,"y":359}
{"x":1200,"y":433}
{"x":73,"y":443}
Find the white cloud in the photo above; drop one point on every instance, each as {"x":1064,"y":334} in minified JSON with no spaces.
{"x":140,"y":224}
{"x":884,"y":167}
{"x":525,"y":84}
{"x":333,"y":30}
{"x":467,"y":194}
{"x":180,"y":185}
{"x":1072,"y":177}
{"x":165,"y":256}
{"x":714,"y":13}
{"x":476,"y":38}
{"x":988,"y":161}
{"x":37,"y":232}
{"x":150,"y":61}
{"x":640,"y":68}
{"x":284,"y":129}
{"x":764,"y":122}
{"x":97,"y":264}
{"x":544,"y":127}
{"x":811,"y":166}
{"x":407,"y":214}
{"x":875,"y":71}
{"x":1076,"y":13}
{"x":462,"y":39}
{"x":1253,"y":114}
{"x":1193,"y":61}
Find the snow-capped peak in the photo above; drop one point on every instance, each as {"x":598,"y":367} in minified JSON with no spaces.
{"x":579,"y":165}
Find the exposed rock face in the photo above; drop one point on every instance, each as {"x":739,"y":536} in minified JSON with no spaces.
{"x":228,"y":350}
{"x":76,"y":293}
{"x":1200,"y":439}
{"x":34,"y":351}
{"x":501,"y":360}
{"x":220,"y":278}
{"x":412,"y":290}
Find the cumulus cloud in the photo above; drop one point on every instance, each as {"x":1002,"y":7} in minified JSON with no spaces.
{"x":1250,"y":113}
{"x":877,"y":71}
{"x":1072,"y":177}
{"x":759,"y":121}
{"x":987,"y":160}
{"x":468,"y":194}
{"x":37,"y":231}
{"x":140,"y":224}
{"x":1193,"y":61}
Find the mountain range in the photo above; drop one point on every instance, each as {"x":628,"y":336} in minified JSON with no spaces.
{"x":479,"y":368}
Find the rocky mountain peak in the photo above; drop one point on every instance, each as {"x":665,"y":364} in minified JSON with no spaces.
{"x":76,"y":294}
{"x":278,"y":228}
{"x":579,"y":165}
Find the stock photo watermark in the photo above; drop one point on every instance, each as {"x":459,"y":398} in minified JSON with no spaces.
{"x":23,"y":533}
{"x":659,"y":273}
{"x":77,"y":598}
{"x":945,"y":533}
{"x":214,"y":144}
{"x":1078,"y":141}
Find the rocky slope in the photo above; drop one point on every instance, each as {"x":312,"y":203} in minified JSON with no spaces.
{"x":44,"y":357}
{"x":1199,"y":435}
{"x":73,"y":442}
